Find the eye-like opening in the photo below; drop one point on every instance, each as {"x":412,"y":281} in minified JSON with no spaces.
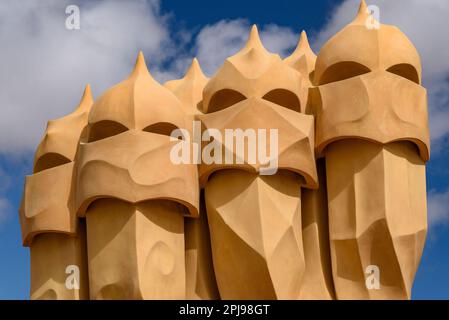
{"x":164,"y":128}
{"x":223,"y":99}
{"x":50,"y":160}
{"x":342,"y":71}
{"x":405,"y":70}
{"x":284,"y":98}
{"x":105,"y":129}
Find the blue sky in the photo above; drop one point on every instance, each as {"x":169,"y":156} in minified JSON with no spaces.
{"x":44,"y":67}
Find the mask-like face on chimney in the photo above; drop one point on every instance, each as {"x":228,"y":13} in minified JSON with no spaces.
{"x":47,"y":204}
{"x":255,"y":89}
{"x":126,"y":154}
{"x":369,"y":85}
{"x":48,"y":218}
{"x":255,"y":216}
{"x":371,"y":128}
{"x":134,"y":197}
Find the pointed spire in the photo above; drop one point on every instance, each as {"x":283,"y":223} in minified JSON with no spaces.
{"x":253,"y":41}
{"x":303,"y":40}
{"x":194,"y":70}
{"x":86,"y":100}
{"x":189,"y":89}
{"x":303,"y":45}
{"x":363,"y":8}
{"x":303,"y":58}
{"x":140,"y":67}
{"x":87,"y":91}
{"x":363,"y":14}
{"x":251,"y":55}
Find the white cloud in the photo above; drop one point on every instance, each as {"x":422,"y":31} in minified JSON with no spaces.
{"x":438,"y":207}
{"x":5,"y":209}
{"x":5,"y":180}
{"x":44,"y":66}
{"x":216,"y":42}
{"x":426,"y":24}
{"x":13,"y":169}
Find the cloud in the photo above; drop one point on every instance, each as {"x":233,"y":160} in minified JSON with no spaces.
{"x":5,"y":209}
{"x":5,"y":205}
{"x":437,"y":207}
{"x":425,"y":23}
{"x":214,"y":43}
{"x":5,"y":180}
{"x":44,"y":66}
